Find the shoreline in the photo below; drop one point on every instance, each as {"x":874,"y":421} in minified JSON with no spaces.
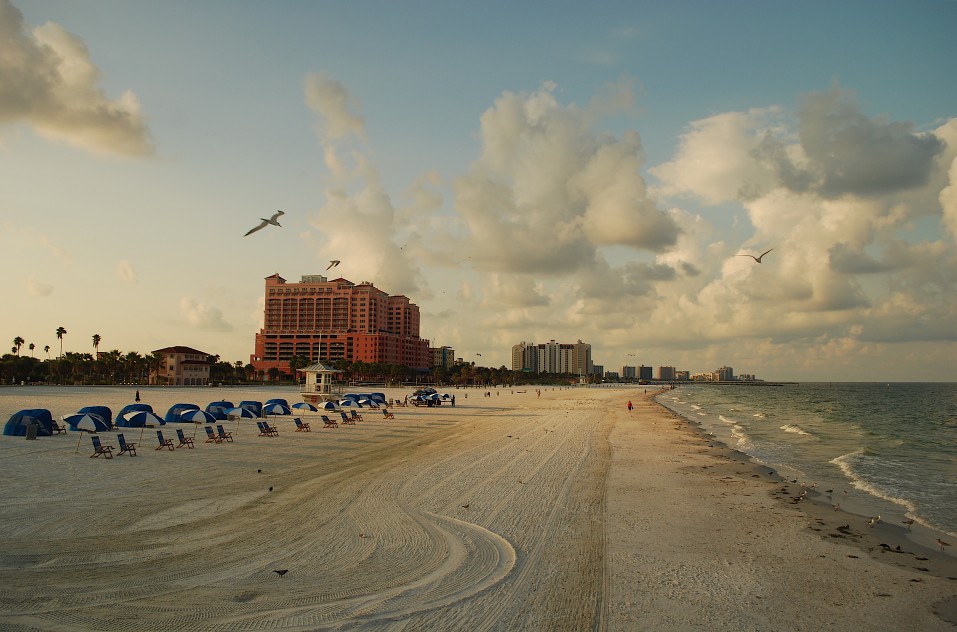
{"x":825,"y":519}
{"x":767,"y":557}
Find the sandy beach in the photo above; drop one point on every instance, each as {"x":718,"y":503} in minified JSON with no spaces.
{"x":510,"y":512}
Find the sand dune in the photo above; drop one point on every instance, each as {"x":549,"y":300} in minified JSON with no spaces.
{"x":512,"y":512}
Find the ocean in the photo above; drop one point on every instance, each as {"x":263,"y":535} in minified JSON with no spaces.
{"x":884,"y":449}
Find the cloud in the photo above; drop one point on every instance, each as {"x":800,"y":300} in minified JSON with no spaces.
{"x":37,"y":288}
{"x":853,"y":154}
{"x":715,"y":161}
{"x":339,"y":113}
{"x":48,"y":81}
{"x":513,"y":291}
{"x":126,"y":272}
{"x":548,"y":189}
{"x":203,"y":316}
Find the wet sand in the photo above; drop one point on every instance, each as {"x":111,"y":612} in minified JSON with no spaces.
{"x":510,"y":512}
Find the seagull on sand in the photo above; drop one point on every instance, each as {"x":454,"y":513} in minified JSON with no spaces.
{"x":942,"y":544}
{"x":266,"y":222}
{"x":908,"y":522}
{"x":282,"y":572}
{"x":333,"y":263}
{"x":758,"y":258}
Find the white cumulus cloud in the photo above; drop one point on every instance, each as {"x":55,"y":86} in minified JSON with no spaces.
{"x":48,"y":80}
{"x":203,"y":316}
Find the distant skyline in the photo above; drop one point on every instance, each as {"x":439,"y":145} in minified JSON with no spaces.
{"x":521,"y":172}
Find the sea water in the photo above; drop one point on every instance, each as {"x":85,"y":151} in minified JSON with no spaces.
{"x":883,"y":449}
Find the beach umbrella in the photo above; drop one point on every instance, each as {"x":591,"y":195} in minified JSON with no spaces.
{"x":276,"y":409}
{"x":305,"y":406}
{"x":142,"y":419}
{"x":348,"y":402}
{"x":90,"y":422}
{"x":365,"y":401}
{"x":445,"y":395}
{"x":241,"y":413}
{"x":351,"y":396}
{"x":197,"y":417}
{"x":86,"y":422}
{"x":328,"y":406}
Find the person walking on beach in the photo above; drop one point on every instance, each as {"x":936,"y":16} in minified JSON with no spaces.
{"x":137,"y":394}
{"x":629,"y":405}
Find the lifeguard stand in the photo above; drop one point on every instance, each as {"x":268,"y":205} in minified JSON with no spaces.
{"x":320,"y":385}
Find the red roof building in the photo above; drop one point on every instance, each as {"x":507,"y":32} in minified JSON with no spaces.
{"x":181,"y":366}
{"x":328,"y":320}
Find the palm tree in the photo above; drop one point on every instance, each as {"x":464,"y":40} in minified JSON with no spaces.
{"x":17,"y":343}
{"x":47,"y":349}
{"x":60,"y":331}
{"x":32,"y":347}
{"x":96,"y":343}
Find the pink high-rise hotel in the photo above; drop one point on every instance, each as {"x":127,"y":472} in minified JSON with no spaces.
{"x":325,"y":320}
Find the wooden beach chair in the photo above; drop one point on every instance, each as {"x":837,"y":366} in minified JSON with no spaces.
{"x":386,"y":414}
{"x":347,"y":420}
{"x":58,"y":429}
{"x":124,"y":446}
{"x":223,"y":435}
{"x":355,"y":416}
{"x":302,"y":426}
{"x":272,"y":431}
{"x":99,"y":448}
{"x":163,"y":443}
{"x":328,"y":423}
{"x":183,"y":439}
{"x":262,"y":431}
{"x":211,"y":436}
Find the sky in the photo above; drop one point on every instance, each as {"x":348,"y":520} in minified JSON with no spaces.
{"x":523,"y":172}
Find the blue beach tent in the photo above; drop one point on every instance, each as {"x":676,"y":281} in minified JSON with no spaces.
{"x":130,"y":408}
{"x":172,"y":415}
{"x":253,"y":407}
{"x":17,"y":425}
{"x":103,"y":412}
{"x":218,"y":409}
{"x":278,"y":400}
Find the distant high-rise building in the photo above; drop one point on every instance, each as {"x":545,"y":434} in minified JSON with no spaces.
{"x":645,"y":372}
{"x":552,"y":357}
{"x":629,"y":372}
{"x":666,"y":373}
{"x":725,"y":374}
{"x":323,"y":320}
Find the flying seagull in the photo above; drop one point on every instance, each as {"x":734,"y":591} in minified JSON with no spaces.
{"x":266,"y":222}
{"x":333,"y":263}
{"x":758,"y":258}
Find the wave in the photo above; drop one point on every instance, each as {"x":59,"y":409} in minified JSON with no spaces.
{"x":793,"y":428}
{"x":846,"y":463}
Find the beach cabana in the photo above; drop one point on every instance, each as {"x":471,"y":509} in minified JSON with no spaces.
{"x":278,"y":400}
{"x":18,"y":422}
{"x":129,"y":408}
{"x":174,"y":412}
{"x":218,"y":409}
{"x":254,"y":407}
{"x":103,"y":412}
